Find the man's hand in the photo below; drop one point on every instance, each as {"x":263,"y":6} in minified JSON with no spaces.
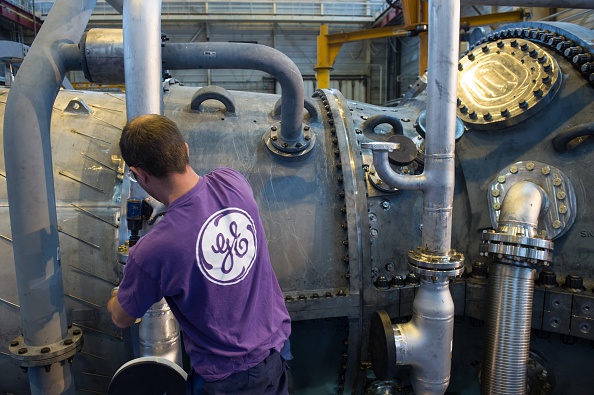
{"x":120,"y":318}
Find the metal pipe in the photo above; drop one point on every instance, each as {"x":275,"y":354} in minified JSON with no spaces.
{"x":533,"y":3}
{"x":425,"y":342}
{"x":522,"y":205}
{"x":214,"y":55}
{"x":437,"y":180}
{"x":508,"y":323}
{"x":30,"y":187}
{"x":142,"y":57}
{"x":159,"y":333}
{"x":158,"y":330}
{"x":511,"y":287}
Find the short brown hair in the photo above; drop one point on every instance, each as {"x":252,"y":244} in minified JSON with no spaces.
{"x":154,"y":143}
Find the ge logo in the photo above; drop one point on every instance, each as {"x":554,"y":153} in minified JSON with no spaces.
{"x":226,"y":246}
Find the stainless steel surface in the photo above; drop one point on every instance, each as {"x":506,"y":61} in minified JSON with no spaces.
{"x":159,"y":334}
{"x":507,"y":337}
{"x":559,"y":197}
{"x":141,"y":24}
{"x":501,"y":84}
{"x":432,"y":329}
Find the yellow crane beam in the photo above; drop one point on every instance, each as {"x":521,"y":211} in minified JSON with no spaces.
{"x":415,"y":16}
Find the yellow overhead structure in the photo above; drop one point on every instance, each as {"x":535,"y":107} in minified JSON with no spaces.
{"x":415,"y":13}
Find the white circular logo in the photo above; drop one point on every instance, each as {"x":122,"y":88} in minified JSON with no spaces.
{"x":226,"y":246}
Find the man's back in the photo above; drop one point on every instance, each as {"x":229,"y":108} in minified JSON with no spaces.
{"x":208,"y":257}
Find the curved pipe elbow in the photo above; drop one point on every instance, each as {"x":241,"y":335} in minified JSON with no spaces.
{"x":522,"y":205}
{"x":393,"y":179}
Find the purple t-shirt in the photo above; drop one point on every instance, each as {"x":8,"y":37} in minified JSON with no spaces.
{"x":208,"y":257}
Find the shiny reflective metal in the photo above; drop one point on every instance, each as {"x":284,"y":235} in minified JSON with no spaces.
{"x":500,"y":85}
{"x":560,"y":212}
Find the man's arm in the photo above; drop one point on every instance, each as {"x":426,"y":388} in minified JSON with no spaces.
{"x":120,"y":318}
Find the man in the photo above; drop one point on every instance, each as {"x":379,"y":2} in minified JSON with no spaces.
{"x":208,"y":257}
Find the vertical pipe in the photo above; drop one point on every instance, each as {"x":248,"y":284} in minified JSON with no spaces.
{"x":425,"y":342}
{"x":444,"y":30}
{"x":30,"y":187}
{"x":507,"y":337}
{"x":142,"y":57}
{"x":158,"y":331}
{"x":510,"y":299}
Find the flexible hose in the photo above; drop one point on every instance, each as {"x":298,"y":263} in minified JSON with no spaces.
{"x":507,"y":338}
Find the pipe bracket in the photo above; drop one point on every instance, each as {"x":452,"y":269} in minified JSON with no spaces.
{"x":45,"y":355}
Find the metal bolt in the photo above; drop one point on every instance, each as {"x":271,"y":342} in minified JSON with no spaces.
{"x":513,"y":169}
{"x":298,"y":145}
{"x":472,"y":114}
{"x":546,"y":170}
{"x":373,"y":232}
{"x":14,"y":343}
{"x":463,"y":109}
{"x":22,"y":351}
{"x":537,"y":92}
{"x":501,"y":179}
{"x":285,"y":145}
{"x":77,"y":332}
{"x":306,"y":128}
{"x":45,"y":350}
{"x":562,"y":209}
{"x":68,"y":342}
{"x":274,"y":128}
{"x":560,"y":195}
{"x":557,"y":181}
{"x":487,"y":116}
{"x":530,"y":166}
{"x":495,"y":192}
{"x":485,"y":48}
{"x":504,"y":112}
{"x":471,"y":56}
{"x":523,"y":104}
{"x":497,"y":206}
{"x":274,"y":138}
{"x":543,"y":233}
{"x":385,"y":204}
{"x":556,"y":224}
{"x":307,"y":137}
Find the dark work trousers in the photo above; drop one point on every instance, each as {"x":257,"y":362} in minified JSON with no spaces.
{"x":271,"y":376}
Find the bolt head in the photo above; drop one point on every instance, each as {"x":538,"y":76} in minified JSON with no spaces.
{"x":556,"y":224}
{"x":495,"y":192}
{"x":501,"y":179}
{"x":562,"y":209}
{"x":530,"y":166}
{"x":513,"y":169}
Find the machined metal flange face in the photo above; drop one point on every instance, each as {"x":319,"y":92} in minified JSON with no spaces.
{"x":521,"y":249}
{"x":503,"y":83}
{"x":561,"y":212}
{"x":426,"y":263}
{"x":35,"y":356}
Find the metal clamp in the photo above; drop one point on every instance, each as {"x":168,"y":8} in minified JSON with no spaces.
{"x":36,"y":356}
